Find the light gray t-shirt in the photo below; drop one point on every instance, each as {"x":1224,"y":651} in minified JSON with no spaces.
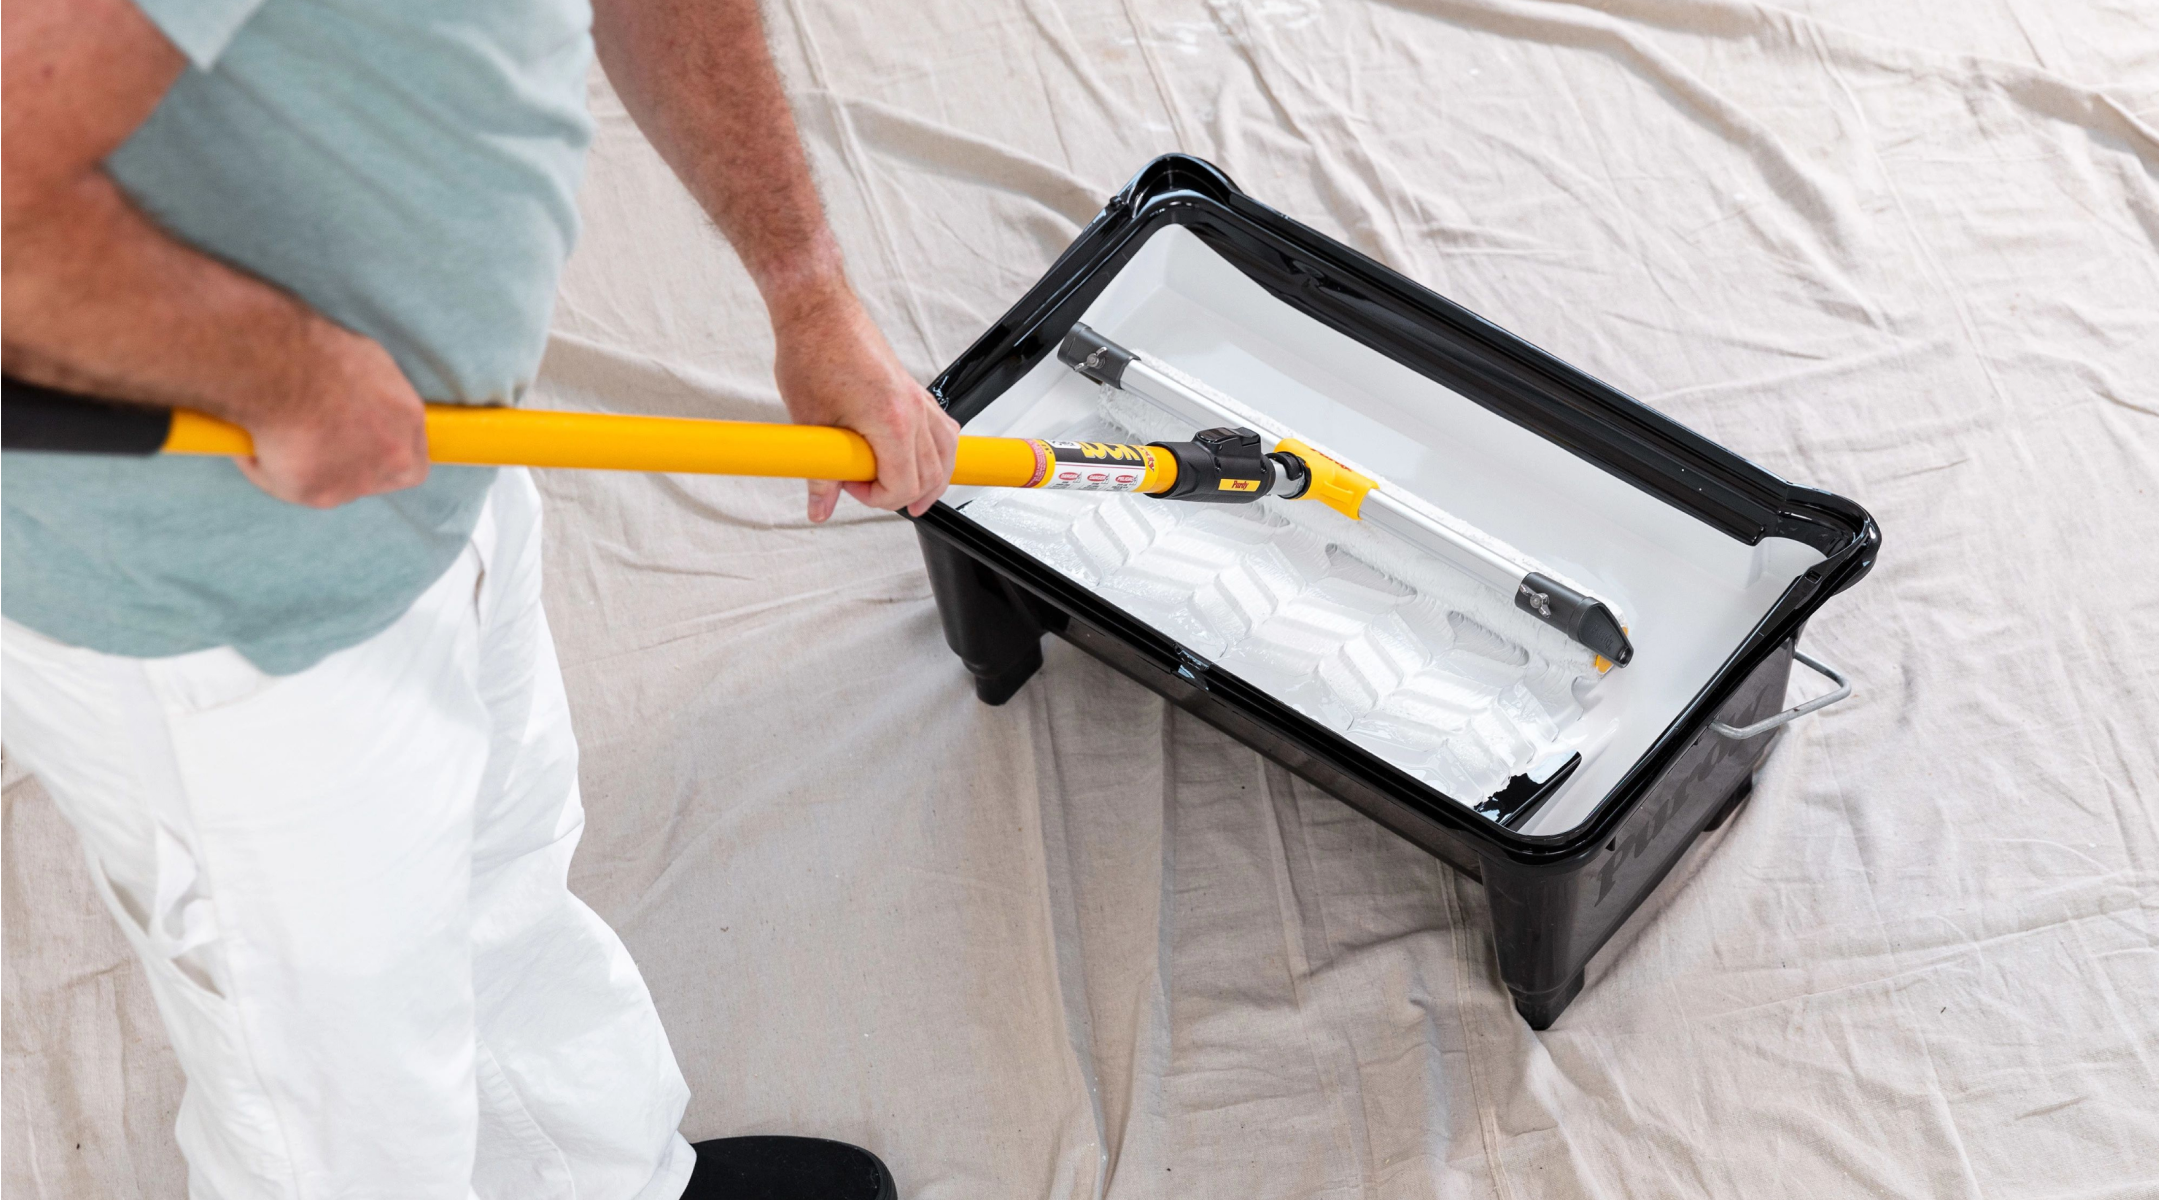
{"x":407,"y":167}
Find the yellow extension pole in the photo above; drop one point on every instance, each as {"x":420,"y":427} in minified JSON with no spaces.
{"x":611,"y":441}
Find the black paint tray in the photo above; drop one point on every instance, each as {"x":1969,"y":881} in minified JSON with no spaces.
{"x":1718,"y":563}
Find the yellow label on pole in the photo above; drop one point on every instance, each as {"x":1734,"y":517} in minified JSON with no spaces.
{"x":1239,"y":485}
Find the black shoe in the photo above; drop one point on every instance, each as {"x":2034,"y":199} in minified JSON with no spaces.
{"x":787,"y":1168}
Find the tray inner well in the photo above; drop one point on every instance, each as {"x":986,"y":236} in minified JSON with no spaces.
{"x":1448,"y":683}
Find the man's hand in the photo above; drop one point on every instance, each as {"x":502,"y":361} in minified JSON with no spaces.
{"x":835,"y":368}
{"x":351,"y":427}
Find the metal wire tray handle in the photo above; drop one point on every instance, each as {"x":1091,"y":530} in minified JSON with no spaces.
{"x":1741,"y":733}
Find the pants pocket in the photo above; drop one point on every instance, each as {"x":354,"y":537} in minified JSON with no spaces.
{"x":173,"y":930}
{"x":515,"y":1158}
{"x":227,"y":1127}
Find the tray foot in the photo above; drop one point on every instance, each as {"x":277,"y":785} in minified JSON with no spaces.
{"x":1540,"y":1009}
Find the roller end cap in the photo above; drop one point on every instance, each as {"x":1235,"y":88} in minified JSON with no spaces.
{"x":1602,"y":632}
{"x":1585,"y":619}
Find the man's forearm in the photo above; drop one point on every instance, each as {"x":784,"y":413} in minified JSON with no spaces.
{"x":98,"y":298}
{"x":698,"y":77}
{"x":102,"y":301}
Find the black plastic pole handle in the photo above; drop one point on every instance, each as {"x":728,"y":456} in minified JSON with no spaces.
{"x":35,"y":417}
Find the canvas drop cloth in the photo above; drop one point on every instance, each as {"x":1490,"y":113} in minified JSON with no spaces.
{"x":1084,"y":946}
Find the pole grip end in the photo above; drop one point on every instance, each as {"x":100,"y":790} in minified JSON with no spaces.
{"x":37,"y":418}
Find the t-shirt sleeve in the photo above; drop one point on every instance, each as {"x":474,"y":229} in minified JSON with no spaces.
{"x":200,"y":28}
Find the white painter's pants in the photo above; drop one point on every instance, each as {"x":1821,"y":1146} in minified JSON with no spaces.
{"x":348,"y":888}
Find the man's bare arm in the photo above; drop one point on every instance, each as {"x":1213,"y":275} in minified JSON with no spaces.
{"x":699,"y":79}
{"x":100,"y":300}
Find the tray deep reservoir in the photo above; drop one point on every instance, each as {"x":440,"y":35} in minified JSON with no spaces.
{"x":1432,"y":671}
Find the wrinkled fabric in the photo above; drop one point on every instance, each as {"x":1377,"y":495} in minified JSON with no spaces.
{"x":1083,"y":946}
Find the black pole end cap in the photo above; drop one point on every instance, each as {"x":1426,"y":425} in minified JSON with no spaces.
{"x":1094,"y":356}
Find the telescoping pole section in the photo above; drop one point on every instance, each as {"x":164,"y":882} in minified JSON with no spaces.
{"x":1219,"y":465}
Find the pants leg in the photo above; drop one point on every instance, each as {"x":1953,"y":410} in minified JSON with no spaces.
{"x":563,"y":1015}
{"x":347,"y":888}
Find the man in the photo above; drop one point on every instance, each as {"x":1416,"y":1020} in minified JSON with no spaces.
{"x":305,"y":711}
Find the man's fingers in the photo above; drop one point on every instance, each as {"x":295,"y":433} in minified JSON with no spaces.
{"x":933,"y":442}
{"x":412,"y":474}
{"x":932,"y":474}
{"x":947,"y":432}
{"x":915,"y":446}
{"x":309,"y":493}
{"x":416,"y":468}
{"x":824,"y":494}
{"x":898,"y":468}
{"x":944,"y":435}
{"x":252,"y":469}
{"x":931,"y":470}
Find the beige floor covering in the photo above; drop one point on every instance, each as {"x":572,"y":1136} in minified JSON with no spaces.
{"x":1082,"y":946}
